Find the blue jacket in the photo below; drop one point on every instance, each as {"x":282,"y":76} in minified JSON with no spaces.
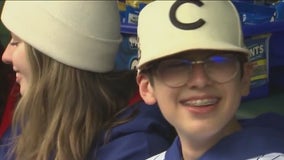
{"x":144,"y":136}
{"x":260,"y":138}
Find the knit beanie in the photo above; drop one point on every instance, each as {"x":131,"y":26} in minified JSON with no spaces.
{"x":82,"y":34}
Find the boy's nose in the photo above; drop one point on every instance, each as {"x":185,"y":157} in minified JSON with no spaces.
{"x":198,"y":77}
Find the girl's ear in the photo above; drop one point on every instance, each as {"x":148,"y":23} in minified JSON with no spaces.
{"x":246,"y":79}
{"x":146,"y":89}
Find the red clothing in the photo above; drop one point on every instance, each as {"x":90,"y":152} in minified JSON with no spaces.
{"x":8,"y":112}
{"x":136,"y":98}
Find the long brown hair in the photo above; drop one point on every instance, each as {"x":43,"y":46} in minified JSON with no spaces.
{"x":65,"y":109}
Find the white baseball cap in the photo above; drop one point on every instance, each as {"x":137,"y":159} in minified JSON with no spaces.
{"x":170,"y":27}
{"x":81,"y":34}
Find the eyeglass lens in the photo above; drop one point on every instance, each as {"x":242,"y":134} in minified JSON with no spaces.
{"x":219,"y":68}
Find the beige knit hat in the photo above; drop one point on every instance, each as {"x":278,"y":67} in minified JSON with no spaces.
{"x":81,"y":34}
{"x":170,"y":27}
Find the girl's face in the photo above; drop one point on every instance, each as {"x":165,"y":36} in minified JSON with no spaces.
{"x":200,"y":108}
{"x":16,"y":54}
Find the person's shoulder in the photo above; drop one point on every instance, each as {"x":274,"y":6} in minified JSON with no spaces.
{"x":147,"y":134}
{"x":259,"y":137}
{"x":149,"y":112}
{"x":270,"y":156}
{"x":148,"y":118}
{"x":267,"y":120}
{"x":160,"y":156}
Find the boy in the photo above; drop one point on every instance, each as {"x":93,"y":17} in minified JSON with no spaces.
{"x":194,"y":64}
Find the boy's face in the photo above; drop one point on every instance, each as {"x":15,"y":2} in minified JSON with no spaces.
{"x":204,"y":98}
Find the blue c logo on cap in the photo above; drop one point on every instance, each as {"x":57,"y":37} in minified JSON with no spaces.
{"x":185,"y":26}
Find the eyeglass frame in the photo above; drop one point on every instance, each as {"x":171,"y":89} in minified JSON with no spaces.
{"x":151,"y":68}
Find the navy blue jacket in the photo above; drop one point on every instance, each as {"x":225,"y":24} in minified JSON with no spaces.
{"x":260,"y":138}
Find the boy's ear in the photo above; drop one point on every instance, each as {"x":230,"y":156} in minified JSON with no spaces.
{"x":246,"y":79}
{"x":145,"y":89}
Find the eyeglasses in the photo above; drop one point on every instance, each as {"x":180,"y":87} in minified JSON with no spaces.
{"x":220,"y":68}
